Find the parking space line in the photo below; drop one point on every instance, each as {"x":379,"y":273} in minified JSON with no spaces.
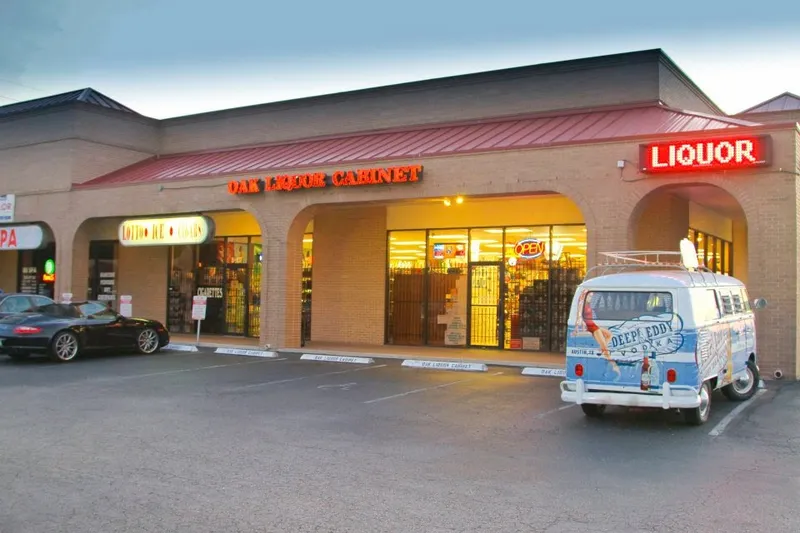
{"x":168,"y":372}
{"x":443,"y":385}
{"x":310,"y":376}
{"x":723,"y":424}
{"x":551,"y":411}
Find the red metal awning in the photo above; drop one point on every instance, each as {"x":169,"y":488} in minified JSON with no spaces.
{"x":507,"y":134}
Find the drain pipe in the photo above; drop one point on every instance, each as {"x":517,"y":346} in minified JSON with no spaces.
{"x":778,"y":374}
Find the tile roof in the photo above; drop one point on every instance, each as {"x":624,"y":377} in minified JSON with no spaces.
{"x":783,"y":102}
{"x":507,"y":134}
{"x":88,"y":96}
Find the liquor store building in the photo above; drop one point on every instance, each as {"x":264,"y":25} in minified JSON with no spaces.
{"x":428,"y":214}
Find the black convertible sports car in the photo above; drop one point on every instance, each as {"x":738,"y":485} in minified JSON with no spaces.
{"x":63,"y":331}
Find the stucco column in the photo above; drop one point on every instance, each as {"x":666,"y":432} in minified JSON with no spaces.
{"x":72,"y":256}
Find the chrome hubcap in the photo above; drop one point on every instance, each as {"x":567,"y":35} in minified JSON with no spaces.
{"x":66,"y":347}
{"x":743,"y":384}
{"x":705,"y":400}
{"x":148,"y":341}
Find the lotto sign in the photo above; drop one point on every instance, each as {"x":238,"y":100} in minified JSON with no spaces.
{"x":199,"y":307}
{"x":529,"y":248}
{"x":7,"y":205}
{"x":724,"y":153}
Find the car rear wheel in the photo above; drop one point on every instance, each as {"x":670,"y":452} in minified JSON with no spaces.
{"x":64,"y":347}
{"x":147,"y":341}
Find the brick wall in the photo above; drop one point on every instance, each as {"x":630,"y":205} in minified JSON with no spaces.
{"x":8,"y":271}
{"x":142,"y":273}
{"x":664,"y":222}
{"x":349,"y":276}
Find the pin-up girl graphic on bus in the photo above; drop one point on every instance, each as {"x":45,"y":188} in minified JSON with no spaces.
{"x":586,"y":317}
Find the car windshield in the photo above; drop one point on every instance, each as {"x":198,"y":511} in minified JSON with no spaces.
{"x":58,"y":310}
{"x":96,"y":310}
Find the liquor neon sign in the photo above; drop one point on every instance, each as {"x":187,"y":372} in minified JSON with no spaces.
{"x":722,"y":153}
{"x":321,"y":180}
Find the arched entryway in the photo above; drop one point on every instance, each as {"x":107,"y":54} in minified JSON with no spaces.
{"x":162,"y":261}
{"x":711,"y":217}
{"x":28,"y":258}
{"x":469,"y":272}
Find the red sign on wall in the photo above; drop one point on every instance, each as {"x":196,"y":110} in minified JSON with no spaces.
{"x":722,"y":153}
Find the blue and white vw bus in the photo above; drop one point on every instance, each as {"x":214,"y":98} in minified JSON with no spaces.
{"x":661,"y":334}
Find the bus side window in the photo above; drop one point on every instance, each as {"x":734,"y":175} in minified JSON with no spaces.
{"x":737,"y":302}
{"x":725,"y":300}
{"x":745,"y":300}
{"x":711,"y":306}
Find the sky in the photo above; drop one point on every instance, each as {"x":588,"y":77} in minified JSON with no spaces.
{"x":167,"y":58}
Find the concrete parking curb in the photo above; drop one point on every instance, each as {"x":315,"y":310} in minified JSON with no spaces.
{"x":336,"y":359}
{"x":446,"y":365}
{"x":409,"y":361}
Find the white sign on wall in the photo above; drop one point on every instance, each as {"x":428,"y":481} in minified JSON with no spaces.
{"x":8,"y":203}
{"x":66,"y":297}
{"x":126,"y":305}
{"x":30,"y":237}
{"x":165,"y":231}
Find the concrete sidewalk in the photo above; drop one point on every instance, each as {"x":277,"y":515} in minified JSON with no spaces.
{"x":414,"y":356}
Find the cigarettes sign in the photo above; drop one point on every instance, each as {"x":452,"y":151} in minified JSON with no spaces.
{"x":722,"y":153}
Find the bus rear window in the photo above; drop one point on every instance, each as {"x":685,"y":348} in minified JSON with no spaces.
{"x":625,"y":305}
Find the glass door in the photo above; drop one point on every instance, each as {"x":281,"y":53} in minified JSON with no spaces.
{"x":485,"y":300}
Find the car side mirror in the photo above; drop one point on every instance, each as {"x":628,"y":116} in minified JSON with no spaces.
{"x":759,"y":303}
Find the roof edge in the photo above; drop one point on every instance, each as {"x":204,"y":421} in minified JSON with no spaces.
{"x":669,"y":63}
{"x":566,"y":65}
{"x":784,"y":93}
{"x":94,"y":183}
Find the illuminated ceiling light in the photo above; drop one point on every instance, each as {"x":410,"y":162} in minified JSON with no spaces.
{"x":459,"y":199}
{"x":447,"y":202}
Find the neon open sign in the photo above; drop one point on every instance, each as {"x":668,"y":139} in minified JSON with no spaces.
{"x":722,"y":153}
{"x":529,"y":248}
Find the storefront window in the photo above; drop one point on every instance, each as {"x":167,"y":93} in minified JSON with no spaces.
{"x":406,"y":299}
{"x":254,"y":295}
{"x":491,"y":287}
{"x":32,"y":276}
{"x":103,"y":272}
{"x":305,"y":299}
{"x":181,"y":289}
{"x":447,"y":287}
{"x":713,"y":252}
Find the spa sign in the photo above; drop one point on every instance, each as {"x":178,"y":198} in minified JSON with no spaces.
{"x":721,"y":153}
{"x":320,"y":180}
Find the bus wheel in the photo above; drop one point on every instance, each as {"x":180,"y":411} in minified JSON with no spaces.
{"x":593,"y":410}
{"x":699,"y":415}
{"x":744,"y":387}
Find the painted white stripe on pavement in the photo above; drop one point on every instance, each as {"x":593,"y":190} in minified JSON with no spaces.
{"x":446,"y":365}
{"x":167,"y":372}
{"x":310,"y":376}
{"x":551,"y":411}
{"x":443,"y":385}
{"x":544,"y":371}
{"x":242,"y":351}
{"x":181,"y":347}
{"x":337,"y":359}
{"x":719,"y":428}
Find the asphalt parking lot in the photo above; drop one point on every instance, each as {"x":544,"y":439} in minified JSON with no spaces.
{"x":202,"y":442}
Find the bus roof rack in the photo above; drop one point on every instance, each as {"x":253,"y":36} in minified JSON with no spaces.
{"x":648,"y":260}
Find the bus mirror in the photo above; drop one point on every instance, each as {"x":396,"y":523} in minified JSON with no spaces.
{"x":759,"y":303}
